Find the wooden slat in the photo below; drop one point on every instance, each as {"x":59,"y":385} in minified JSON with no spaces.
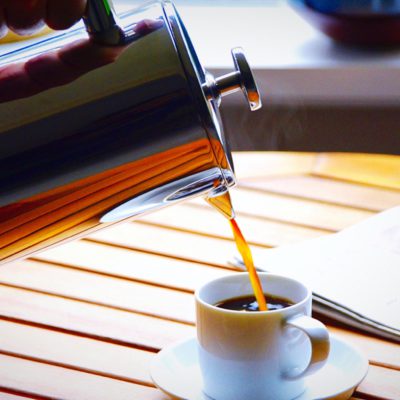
{"x":114,"y":361}
{"x":76,"y":352}
{"x":161,"y":333}
{"x":264,"y":164}
{"x":326,"y":190}
{"x":369,"y":169}
{"x":169,"y":242}
{"x":129,"y":264}
{"x":192,"y":217}
{"x":86,"y":354}
{"x":170,"y":304}
{"x":121,"y":362}
{"x":379,"y":352}
{"x":381,"y":383}
{"x":61,"y":383}
{"x":102,"y":290}
{"x":294,"y":211}
{"x":190,"y":246}
{"x":93,"y":335}
{"x":57,"y":382}
{"x":90,"y":320}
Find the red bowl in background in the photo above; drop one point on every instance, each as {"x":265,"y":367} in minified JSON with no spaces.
{"x":367,"y":30}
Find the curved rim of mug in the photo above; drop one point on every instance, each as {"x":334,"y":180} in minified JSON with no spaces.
{"x":248,"y":314}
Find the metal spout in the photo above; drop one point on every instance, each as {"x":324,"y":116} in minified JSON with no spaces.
{"x":222,"y":203}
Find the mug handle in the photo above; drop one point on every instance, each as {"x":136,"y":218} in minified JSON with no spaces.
{"x":319,"y":339}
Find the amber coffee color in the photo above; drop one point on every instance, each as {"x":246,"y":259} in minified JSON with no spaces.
{"x":224,"y":204}
{"x":245,"y":252}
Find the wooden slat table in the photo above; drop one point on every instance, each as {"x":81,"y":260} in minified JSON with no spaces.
{"x":84,"y":320}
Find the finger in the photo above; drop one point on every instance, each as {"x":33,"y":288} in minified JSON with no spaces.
{"x":48,"y":71}
{"x":25,"y":17}
{"x":69,"y":63}
{"x":147,"y":26}
{"x":15,"y":83}
{"x":85,"y":55}
{"x":54,"y":69}
{"x":3,"y":25}
{"x":61,"y":14}
{"x":37,"y":75}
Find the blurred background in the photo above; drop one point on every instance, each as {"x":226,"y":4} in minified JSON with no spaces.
{"x":319,"y":94}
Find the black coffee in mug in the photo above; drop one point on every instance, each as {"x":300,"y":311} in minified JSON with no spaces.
{"x":249,"y":303}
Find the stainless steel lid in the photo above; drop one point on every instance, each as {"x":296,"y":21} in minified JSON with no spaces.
{"x":208,"y":90}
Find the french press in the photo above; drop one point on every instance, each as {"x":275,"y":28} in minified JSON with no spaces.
{"x":119,"y":141}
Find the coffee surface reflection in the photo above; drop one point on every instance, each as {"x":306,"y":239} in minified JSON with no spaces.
{"x":250,"y":304}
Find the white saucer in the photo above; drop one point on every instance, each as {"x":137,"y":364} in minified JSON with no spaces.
{"x":176,"y":372}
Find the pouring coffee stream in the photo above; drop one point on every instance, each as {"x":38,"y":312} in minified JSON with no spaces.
{"x":223,"y":204}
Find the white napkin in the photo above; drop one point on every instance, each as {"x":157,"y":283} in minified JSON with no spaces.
{"x":358,"y":268}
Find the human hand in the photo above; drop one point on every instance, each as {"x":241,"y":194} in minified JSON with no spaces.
{"x":62,"y":66}
{"x":54,"y":69}
{"x":25,"y":17}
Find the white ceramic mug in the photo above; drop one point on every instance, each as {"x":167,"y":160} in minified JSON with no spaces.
{"x":257,"y":355}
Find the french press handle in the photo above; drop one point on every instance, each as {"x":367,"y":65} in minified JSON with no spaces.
{"x":102,"y":23}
